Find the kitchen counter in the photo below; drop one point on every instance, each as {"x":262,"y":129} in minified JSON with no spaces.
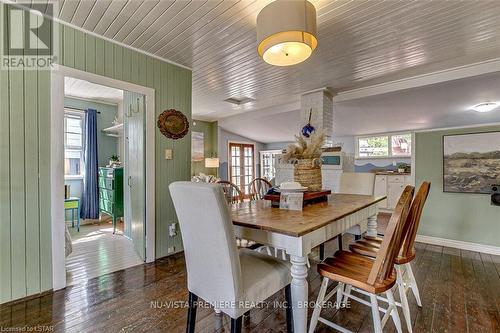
{"x":393,"y":173}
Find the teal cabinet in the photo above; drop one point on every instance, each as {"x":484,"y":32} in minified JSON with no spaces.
{"x":111,"y":193}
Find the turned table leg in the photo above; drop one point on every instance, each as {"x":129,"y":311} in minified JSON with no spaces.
{"x":299,"y":293}
{"x":371,"y":229}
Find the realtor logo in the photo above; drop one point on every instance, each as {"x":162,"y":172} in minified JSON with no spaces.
{"x":28,"y":36}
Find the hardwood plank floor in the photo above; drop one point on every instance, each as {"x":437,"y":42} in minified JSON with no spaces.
{"x":459,"y":289}
{"x":97,"y":252}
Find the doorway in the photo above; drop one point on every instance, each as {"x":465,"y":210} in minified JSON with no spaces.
{"x":242,"y":165}
{"x":101,"y":245}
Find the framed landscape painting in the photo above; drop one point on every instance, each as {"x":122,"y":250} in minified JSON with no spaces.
{"x":471,"y":162}
{"x":197,"y":146}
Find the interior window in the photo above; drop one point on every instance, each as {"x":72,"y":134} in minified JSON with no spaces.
{"x":389,"y":145}
{"x":401,"y":144}
{"x":374,"y":146}
{"x":73,"y":144}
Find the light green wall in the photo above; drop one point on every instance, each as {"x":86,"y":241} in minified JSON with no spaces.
{"x":25,"y":226}
{"x":209,"y":130}
{"x":457,"y":216}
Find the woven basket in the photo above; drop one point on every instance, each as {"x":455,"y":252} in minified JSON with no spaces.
{"x":308,"y":173}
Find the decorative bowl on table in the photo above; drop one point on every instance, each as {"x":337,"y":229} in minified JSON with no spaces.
{"x":290,"y":187}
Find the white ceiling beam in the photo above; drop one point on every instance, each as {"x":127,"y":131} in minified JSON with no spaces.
{"x":456,"y":73}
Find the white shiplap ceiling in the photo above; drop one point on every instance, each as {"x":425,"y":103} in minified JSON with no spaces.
{"x":91,"y":91}
{"x":446,"y":104}
{"x":361,"y":42}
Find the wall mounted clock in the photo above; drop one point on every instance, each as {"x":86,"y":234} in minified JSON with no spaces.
{"x":173,"y":124}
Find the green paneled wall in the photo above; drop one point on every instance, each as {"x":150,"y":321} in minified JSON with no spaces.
{"x":25,"y":234}
{"x":25,"y":226}
{"x":209,"y":130}
{"x":458,"y":216}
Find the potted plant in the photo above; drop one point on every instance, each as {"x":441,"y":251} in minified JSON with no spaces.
{"x":305,"y":155}
{"x":401,"y":167}
{"x":114,"y":160}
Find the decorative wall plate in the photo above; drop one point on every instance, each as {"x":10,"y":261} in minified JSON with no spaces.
{"x":173,"y":124}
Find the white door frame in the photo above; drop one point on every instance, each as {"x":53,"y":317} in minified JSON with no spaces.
{"x":57,"y":161}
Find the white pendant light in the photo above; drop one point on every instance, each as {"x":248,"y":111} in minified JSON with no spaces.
{"x":286,"y":32}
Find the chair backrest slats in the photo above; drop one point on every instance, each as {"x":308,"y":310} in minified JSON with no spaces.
{"x":413,"y":220}
{"x":259,"y":188}
{"x":391,"y":245}
{"x":231,"y":191}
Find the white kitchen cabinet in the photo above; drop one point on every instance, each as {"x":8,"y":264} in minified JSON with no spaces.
{"x":394,"y":191}
{"x":391,"y":186}
{"x":380,"y":189}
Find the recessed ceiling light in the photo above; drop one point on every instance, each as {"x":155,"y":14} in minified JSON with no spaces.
{"x":485,"y":107}
{"x":239,"y":101}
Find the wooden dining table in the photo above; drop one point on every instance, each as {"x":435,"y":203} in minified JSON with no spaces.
{"x":298,"y":232}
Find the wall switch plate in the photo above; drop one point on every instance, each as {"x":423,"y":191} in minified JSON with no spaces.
{"x":171,"y":249}
{"x":168,"y":154}
{"x":172,"y":230}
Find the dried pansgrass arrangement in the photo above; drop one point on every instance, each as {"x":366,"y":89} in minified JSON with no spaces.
{"x":305,"y":148}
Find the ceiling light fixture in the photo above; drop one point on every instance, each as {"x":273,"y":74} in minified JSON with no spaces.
{"x":286,"y":32}
{"x":239,"y":101}
{"x":485,"y":107}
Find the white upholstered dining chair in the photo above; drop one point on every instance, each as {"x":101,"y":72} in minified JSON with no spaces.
{"x":353,"y":183}
{"x":357,"y":183}
{"x":229,"y":279}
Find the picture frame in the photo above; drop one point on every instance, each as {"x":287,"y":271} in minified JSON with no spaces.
{"x":197,"y":146}
{"x":471,"y":162}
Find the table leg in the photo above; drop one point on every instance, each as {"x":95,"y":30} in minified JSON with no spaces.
{"x":78,"y":218}
{"x":299,"y":293}
{"x":72,"y":218}
{"x":371,"y":229}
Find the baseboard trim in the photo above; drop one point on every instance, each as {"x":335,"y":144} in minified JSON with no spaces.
{"x":459,"y":244}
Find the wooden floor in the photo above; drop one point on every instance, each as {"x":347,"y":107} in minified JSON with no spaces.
{"x":96,"y":252}
{"x":460,"y":293}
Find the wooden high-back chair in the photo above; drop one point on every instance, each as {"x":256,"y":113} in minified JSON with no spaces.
{"x":393,"y":239}
{"x":231,"y":192}
{"x":370,"y":246}
{"x":258,"y":188}
{"x":368,"y":276}
{"x":417,"y":207}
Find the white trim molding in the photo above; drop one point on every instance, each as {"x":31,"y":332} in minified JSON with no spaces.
{"x":57,"y":167}
{"x":489,"y":249}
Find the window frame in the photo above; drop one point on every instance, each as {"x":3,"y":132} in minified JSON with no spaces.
{"x":273,"y":154}
{"x":389,"y":142}
{"x":77,"y":114}
{"x":242,"y":145}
